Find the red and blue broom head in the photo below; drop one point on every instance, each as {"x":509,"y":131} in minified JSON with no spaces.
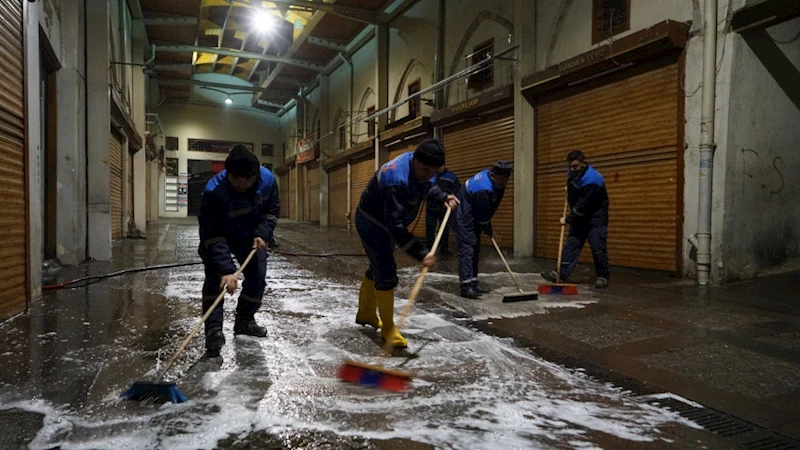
{"x":374,"y":376}
{"x":558,"y":289}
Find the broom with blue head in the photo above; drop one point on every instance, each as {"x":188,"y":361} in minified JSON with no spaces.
{"x":159,"y":391}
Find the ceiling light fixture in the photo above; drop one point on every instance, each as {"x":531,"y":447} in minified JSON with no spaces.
{"x":264,"y":21}
{"x":228,"y":100}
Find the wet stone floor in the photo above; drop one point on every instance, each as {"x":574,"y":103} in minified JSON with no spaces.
{"x":65,"y":363}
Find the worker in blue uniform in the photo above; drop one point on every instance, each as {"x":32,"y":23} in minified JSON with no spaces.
{"x":479,"y":199}
{"x":240,"y":209}
{"x":434,"y":211}
{"x":587,"y":218}
{"x":390,"y":202}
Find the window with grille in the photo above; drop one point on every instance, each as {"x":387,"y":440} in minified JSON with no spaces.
{"x":484,"y":78}
{"x":207,"y":145}
{"x":266,"y":149}
{"x":171,"y":143}
{"x":371,"y":122}
{"x":413,"y":104}
{"x":610,"y":18}
{"x":342,"y":138}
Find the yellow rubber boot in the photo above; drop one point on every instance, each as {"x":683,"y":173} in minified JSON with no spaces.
{"x":366,"y":305}
{"x":386,"y":309}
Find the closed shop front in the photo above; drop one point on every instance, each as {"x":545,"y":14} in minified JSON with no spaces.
{"x":115,"y":185}
{"x":360,"y":173}
{"x":629,"y":126}
{"x":13,"y":253}
{"x":629,"y":132}
{"x":148,"y":177}
{"x":313,"y":191}
{"x":477,"y":143}
{"x":337,"y":196}
{"x":283,"y":188}
{"x":129,"y":207}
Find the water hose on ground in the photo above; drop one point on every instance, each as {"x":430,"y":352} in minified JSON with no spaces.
{"x":89,"y":280}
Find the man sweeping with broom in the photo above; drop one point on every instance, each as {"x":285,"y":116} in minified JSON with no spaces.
{"x":588,"y":218}
{"x":239,"y":211}
{"x":479,"y":199}
{"x":388,"y":205}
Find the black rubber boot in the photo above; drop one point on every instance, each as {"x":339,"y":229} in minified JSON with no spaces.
{"x":215,"y":340}
{"x":601,"y":283}
{"x":249,"y":327}
{"x":551,"y":276}
{"x":480,"y":288}
{"x":468,"y":291}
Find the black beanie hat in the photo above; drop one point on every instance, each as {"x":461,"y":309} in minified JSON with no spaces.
{"x":241,"y":162}
{"x":430,"y":152}
{"x":502,"y":168}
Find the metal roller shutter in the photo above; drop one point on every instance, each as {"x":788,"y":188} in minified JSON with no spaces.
{"x":13,"y":198}
{"x":115,"y":184}
{"x":475,"y":146}
{"x":313,"y":191}
{"x":283,"y":188}
{"x":629,"y":132}
{"x":361,"y":172}
{"x":337,"y":197}
{"x":302,"y":179}
{"x":395,"y":151}
{"x":130,"y":186}
{"x":148,"y":178}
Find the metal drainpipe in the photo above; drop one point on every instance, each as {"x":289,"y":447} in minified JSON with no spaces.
{"x":707,"y":145}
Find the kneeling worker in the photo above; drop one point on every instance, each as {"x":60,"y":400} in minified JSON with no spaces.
{"x":388,"y":205}
{"x":240,"y":209}
{"x":479,"y":199}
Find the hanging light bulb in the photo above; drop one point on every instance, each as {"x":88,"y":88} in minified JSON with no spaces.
{"x":264,"y":21}
{"x":228,"y":100}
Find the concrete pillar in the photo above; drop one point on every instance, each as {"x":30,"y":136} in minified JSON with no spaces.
{"x":98,"y":120}
{"x":381,"y":88}
{"x":35,"y":144}
{"x":324,"y":117}
{"x":71,"y":139}
{"x":138,"y":106}
{"x":525,"y":36}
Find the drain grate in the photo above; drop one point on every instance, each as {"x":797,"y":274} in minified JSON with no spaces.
{"x":723,"y":425}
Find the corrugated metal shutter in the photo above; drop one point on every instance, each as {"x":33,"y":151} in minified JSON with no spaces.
{"x":475,"y":146}
{"x":399,"y":149}
{"x":283,"y":188}
{"x":629,"y":133}
{"x":313,"y":191}
{"x":360,"y":173}
{"x":302,"y":189}
{"x":337,"y":197}
{"x":115,"y":186}
{"x":13,"y":199}
{"x":130,"y":186}
{"x":148,"y":190}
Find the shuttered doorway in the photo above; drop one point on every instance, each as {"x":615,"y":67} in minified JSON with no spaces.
{"x":337,"y":197}
{"x":361,"y":171}
{"x":628,"y":130}
{"x":474,"y":146}
{"x":283,"y":188}
{"x":313,"y":191}
{"x":13,"y":201}
{"x":115,"y":184}
{"x":130,"y":188}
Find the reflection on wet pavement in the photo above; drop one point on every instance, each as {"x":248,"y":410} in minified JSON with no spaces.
{"x":68,"y":360}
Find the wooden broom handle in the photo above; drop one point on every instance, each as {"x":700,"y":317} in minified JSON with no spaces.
{"x":561,"y":243}
{"x":205,"y":316}
{"x":500,"y":252}
{"x":387,"y":347}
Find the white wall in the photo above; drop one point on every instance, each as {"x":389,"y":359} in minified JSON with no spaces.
{"x":205,"y":122}
{"x":339,"y":107}
{"x":364,"y":90}
{"x":761,"y":225}
{"x":412,"y":49}
{"x":288,"y":134}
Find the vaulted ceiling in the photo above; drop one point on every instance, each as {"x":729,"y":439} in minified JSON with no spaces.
{"x":215,"y":49}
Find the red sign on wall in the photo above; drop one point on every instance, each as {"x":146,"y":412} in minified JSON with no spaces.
{"x":307,"y":149}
